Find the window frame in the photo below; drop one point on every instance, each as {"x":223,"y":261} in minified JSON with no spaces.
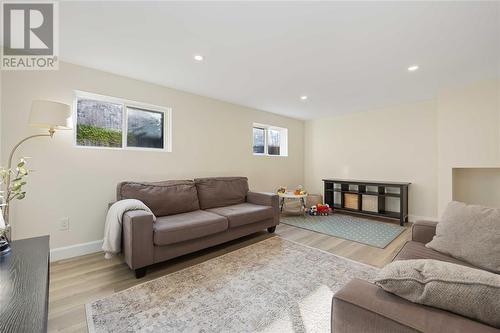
{"x":125,"y":103}
{"x":260,"y":127}
{"x":283,"y":139}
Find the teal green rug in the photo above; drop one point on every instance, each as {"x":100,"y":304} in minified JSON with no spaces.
{"x":357,"y":229}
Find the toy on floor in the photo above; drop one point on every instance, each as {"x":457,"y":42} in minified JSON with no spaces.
{"x":319,"y":210}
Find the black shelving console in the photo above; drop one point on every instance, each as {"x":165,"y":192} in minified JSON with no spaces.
{"x":352,"y":192}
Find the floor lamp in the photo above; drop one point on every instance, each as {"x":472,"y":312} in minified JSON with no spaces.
{"x":44,"y":114}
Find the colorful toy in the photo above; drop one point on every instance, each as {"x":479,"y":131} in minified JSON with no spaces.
{"x":319,"y":210}
{"x":299,"y":190}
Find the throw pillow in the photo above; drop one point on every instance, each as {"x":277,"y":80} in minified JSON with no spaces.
{"x":466,"y":291}
{"x":470,"y":233}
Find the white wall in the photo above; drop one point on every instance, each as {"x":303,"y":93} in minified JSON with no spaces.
{"x":420,"y":143}
{"x":393,"y":144}
{"x":479,"y":186}
{"x":210,"y":138}
{"x":468,"y":132}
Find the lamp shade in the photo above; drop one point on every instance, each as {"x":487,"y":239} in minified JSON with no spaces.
{"x":52,"y":115}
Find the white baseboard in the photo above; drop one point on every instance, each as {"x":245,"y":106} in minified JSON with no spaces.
{"x":75,"y":250}
{"x":413,"y":218}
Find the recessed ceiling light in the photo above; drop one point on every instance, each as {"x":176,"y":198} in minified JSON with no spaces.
{"x":198,"y":57}
{"x":412,"y":68}
{"x":303,"y":97}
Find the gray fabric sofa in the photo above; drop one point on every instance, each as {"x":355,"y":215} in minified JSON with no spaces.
{"x":361,"y":306}
{"x":190,"y":216}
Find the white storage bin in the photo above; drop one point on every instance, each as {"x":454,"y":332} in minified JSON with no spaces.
{"x":370,"y":203}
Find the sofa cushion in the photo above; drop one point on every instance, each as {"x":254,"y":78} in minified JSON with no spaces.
{"x":221,"y":191}
{"x":163,"y":198}
{"x":186,"y":226}
{"x":470,"y":292}
{"x":244,"y":213}
{"x":470,"y":233}
{"x":417,"y":250}
{"x":361,"y":306}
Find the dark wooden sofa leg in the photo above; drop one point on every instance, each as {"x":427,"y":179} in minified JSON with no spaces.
{"x":140,"y":272}
{"x":271,"y":229}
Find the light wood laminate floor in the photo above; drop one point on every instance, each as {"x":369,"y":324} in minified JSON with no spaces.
{"x":76,"y":281}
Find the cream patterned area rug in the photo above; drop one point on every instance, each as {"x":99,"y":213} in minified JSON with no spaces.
{"x":271,"y":286}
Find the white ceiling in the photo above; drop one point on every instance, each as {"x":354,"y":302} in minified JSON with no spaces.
{"x":346,"y":56}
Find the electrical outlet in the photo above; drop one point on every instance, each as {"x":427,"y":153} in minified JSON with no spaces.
{"x":64,"y":224}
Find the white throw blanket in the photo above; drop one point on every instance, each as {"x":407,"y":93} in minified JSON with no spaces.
{"x":113,"y":228}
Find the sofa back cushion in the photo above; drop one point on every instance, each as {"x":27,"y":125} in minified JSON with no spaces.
{"x":470,"y":233}
{"x":221,"y":191}
{"x":163,"y":198}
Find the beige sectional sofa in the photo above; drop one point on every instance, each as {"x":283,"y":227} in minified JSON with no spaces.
{"x":190,"y":216}
{"x":361,"y":306}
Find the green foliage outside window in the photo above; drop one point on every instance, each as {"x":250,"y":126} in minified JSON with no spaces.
{"x":87,"y":135}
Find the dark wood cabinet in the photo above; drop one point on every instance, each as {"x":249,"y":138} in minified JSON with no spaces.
{"x":24,"y":286}
{"x":362,"y":188}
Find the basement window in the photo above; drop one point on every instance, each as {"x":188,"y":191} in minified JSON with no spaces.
{"x":114,"y":123}
{"x":270,"y":140}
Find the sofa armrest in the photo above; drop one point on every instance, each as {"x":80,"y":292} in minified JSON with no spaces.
{"x":138,"y":238}
{"x":361,"y":306}
{"x":266,"y":199}
{"x":355,"y":308}
{"x":423,"y":231}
